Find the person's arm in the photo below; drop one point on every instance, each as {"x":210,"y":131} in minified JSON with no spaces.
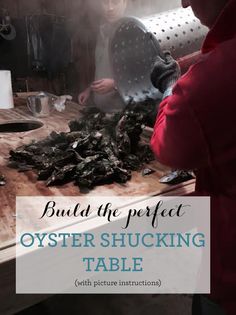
{"x":178,"y":140}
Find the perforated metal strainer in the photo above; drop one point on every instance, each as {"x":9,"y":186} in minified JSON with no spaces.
{"x":132,"y":51}
{"x":136,"y":42}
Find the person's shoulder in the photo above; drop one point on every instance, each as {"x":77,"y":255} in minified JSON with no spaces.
{"x":213,"y":69}
{"x":223,"y":57}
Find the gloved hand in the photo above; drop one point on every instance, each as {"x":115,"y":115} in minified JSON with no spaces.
{"x":165,"y":73}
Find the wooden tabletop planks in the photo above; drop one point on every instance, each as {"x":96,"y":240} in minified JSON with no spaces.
{"x":26,"y":184}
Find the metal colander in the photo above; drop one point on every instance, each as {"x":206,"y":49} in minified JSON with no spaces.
{"x":136,"y":42}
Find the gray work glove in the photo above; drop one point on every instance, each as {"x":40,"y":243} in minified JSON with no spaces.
{"x":165,"y":73}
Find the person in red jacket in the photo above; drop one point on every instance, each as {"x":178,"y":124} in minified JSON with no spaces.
{"x":196,"y":129}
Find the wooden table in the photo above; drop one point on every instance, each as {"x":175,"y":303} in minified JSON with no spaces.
{"x":26,"y":184}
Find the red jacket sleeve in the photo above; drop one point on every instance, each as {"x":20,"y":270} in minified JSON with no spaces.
{"x":178,"y":140}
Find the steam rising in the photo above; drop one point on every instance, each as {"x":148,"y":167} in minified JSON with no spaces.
{"x":146,"y":7}
{"x":89,"y":17}
{"x":142,"y":7}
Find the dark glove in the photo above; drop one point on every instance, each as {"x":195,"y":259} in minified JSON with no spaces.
{"x":165,"y":73}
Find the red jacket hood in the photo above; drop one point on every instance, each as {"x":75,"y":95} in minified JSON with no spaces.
{"x":223,"y":29}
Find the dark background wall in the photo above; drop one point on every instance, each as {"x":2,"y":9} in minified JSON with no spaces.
{"x":75,"y":16}
{"x":80,"y":20}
